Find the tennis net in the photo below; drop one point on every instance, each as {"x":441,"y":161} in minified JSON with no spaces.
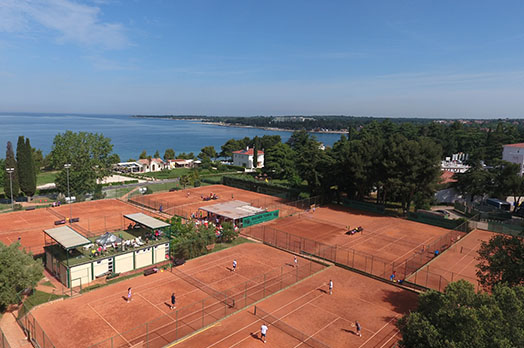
{"x":222,"y":297}
{"x":290,"y":330}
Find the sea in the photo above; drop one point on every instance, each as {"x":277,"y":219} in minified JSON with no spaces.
{"x":130,"y":135}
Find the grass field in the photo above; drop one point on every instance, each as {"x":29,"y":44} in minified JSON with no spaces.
{"x":46,"y":177}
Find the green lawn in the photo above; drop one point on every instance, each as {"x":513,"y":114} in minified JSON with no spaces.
{"x":38,"y":297}
{"x":46,"y":177}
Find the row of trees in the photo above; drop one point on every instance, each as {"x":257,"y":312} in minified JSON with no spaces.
{"x":500,"y":180}
{"x":23,"y":176}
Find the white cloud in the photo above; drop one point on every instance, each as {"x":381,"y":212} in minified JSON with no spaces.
{"x":73,"y":22}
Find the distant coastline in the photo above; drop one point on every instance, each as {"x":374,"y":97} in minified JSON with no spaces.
{"x":204,"y":120}
{"x":223,"y":124}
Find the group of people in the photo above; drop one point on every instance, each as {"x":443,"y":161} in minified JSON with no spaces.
{"x":354,"y":230}
{"x":212,"y":196}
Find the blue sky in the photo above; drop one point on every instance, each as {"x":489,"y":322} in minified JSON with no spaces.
{"x":377,"y":58}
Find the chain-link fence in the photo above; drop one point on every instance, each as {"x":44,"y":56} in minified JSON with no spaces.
{"x":193,"y":317}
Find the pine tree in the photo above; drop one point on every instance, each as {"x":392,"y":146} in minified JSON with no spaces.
{"x":10,"y":162}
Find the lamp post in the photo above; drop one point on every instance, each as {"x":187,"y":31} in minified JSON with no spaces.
{"x":11,"y":171}
{"x":67,"y":166}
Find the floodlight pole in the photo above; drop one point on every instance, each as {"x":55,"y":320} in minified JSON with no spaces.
{"x":11,"y":171}
{"x":67,"y":166}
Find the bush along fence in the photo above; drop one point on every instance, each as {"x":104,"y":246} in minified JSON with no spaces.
{"x":186,"y":320}
{"x":355,"y":259}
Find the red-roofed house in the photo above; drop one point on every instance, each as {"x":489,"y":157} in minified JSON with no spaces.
{"x":447,"y":177}
{"x":514,"y":153}
{"x":244,"y":158}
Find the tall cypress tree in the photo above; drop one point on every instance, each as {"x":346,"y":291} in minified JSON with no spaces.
{"x":31,"y":169}
{"x":10,"y":162}
{"x":21,"y":164}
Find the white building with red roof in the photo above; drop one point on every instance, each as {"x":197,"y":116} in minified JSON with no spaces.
{"x":514,"y":153}
{"x":245,"y":158}
{"x":153,"y":165}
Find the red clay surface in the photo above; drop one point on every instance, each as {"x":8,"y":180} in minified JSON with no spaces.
{"x":308,"y":307}
{"x":185,"y":202}
{"x":97,"y":315}
{"x":457,"y":262}
{"x":95,"y":216}
{"x":388,"y":238}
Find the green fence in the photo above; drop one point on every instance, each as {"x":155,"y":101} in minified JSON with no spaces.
{"x":366,"y":206}
{"x":435,"y":220}
{"x":259,"y":218}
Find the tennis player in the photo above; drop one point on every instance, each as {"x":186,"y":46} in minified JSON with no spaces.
{"x":263,"y":332}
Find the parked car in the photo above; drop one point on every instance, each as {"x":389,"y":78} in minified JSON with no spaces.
{"x":443,"y":212}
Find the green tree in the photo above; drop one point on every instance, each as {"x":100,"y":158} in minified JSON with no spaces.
{"x":230,"y":146}
{"x":143,"y":155}
{"x":90,"y":156}
{"x":26,"y":167}
{"x":228,"y":232}
{"x":184,"y":155}
{"x":2,"y":170}
{"x":169,"y":154}
{"x":157,"y":154}
{"x":461,"y":318}
{"x":18,"y":271}
{"x":279,"y":162}
{"x":38,"y":157}
{"x":501,"y":260}
{"x":507,"y":181}
{"x":10,"y":162}
{"x":475,"y":182}
{"x":310,"y":160}
{"x":208,"y":152}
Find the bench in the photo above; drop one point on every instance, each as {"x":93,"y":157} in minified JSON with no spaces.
{"x":60,"y":222}
{"x":30,"y":208}
{"x":77,"y":219}
{"x":150,"y":271}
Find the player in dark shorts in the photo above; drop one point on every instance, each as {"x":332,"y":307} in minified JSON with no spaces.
{"x":173,"y":301}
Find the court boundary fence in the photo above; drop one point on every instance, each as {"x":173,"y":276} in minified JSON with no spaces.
{"x":355,"y":259}
{"x":186,"y":320}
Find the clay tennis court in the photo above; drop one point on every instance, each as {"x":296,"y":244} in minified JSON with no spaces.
{"x":457,"y":262}
{"x":186,"y":202}
{"x":95,"y":217}
{"x":309,"y":309}
{"x":391,"y":239}
{"x":96,"y":316}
